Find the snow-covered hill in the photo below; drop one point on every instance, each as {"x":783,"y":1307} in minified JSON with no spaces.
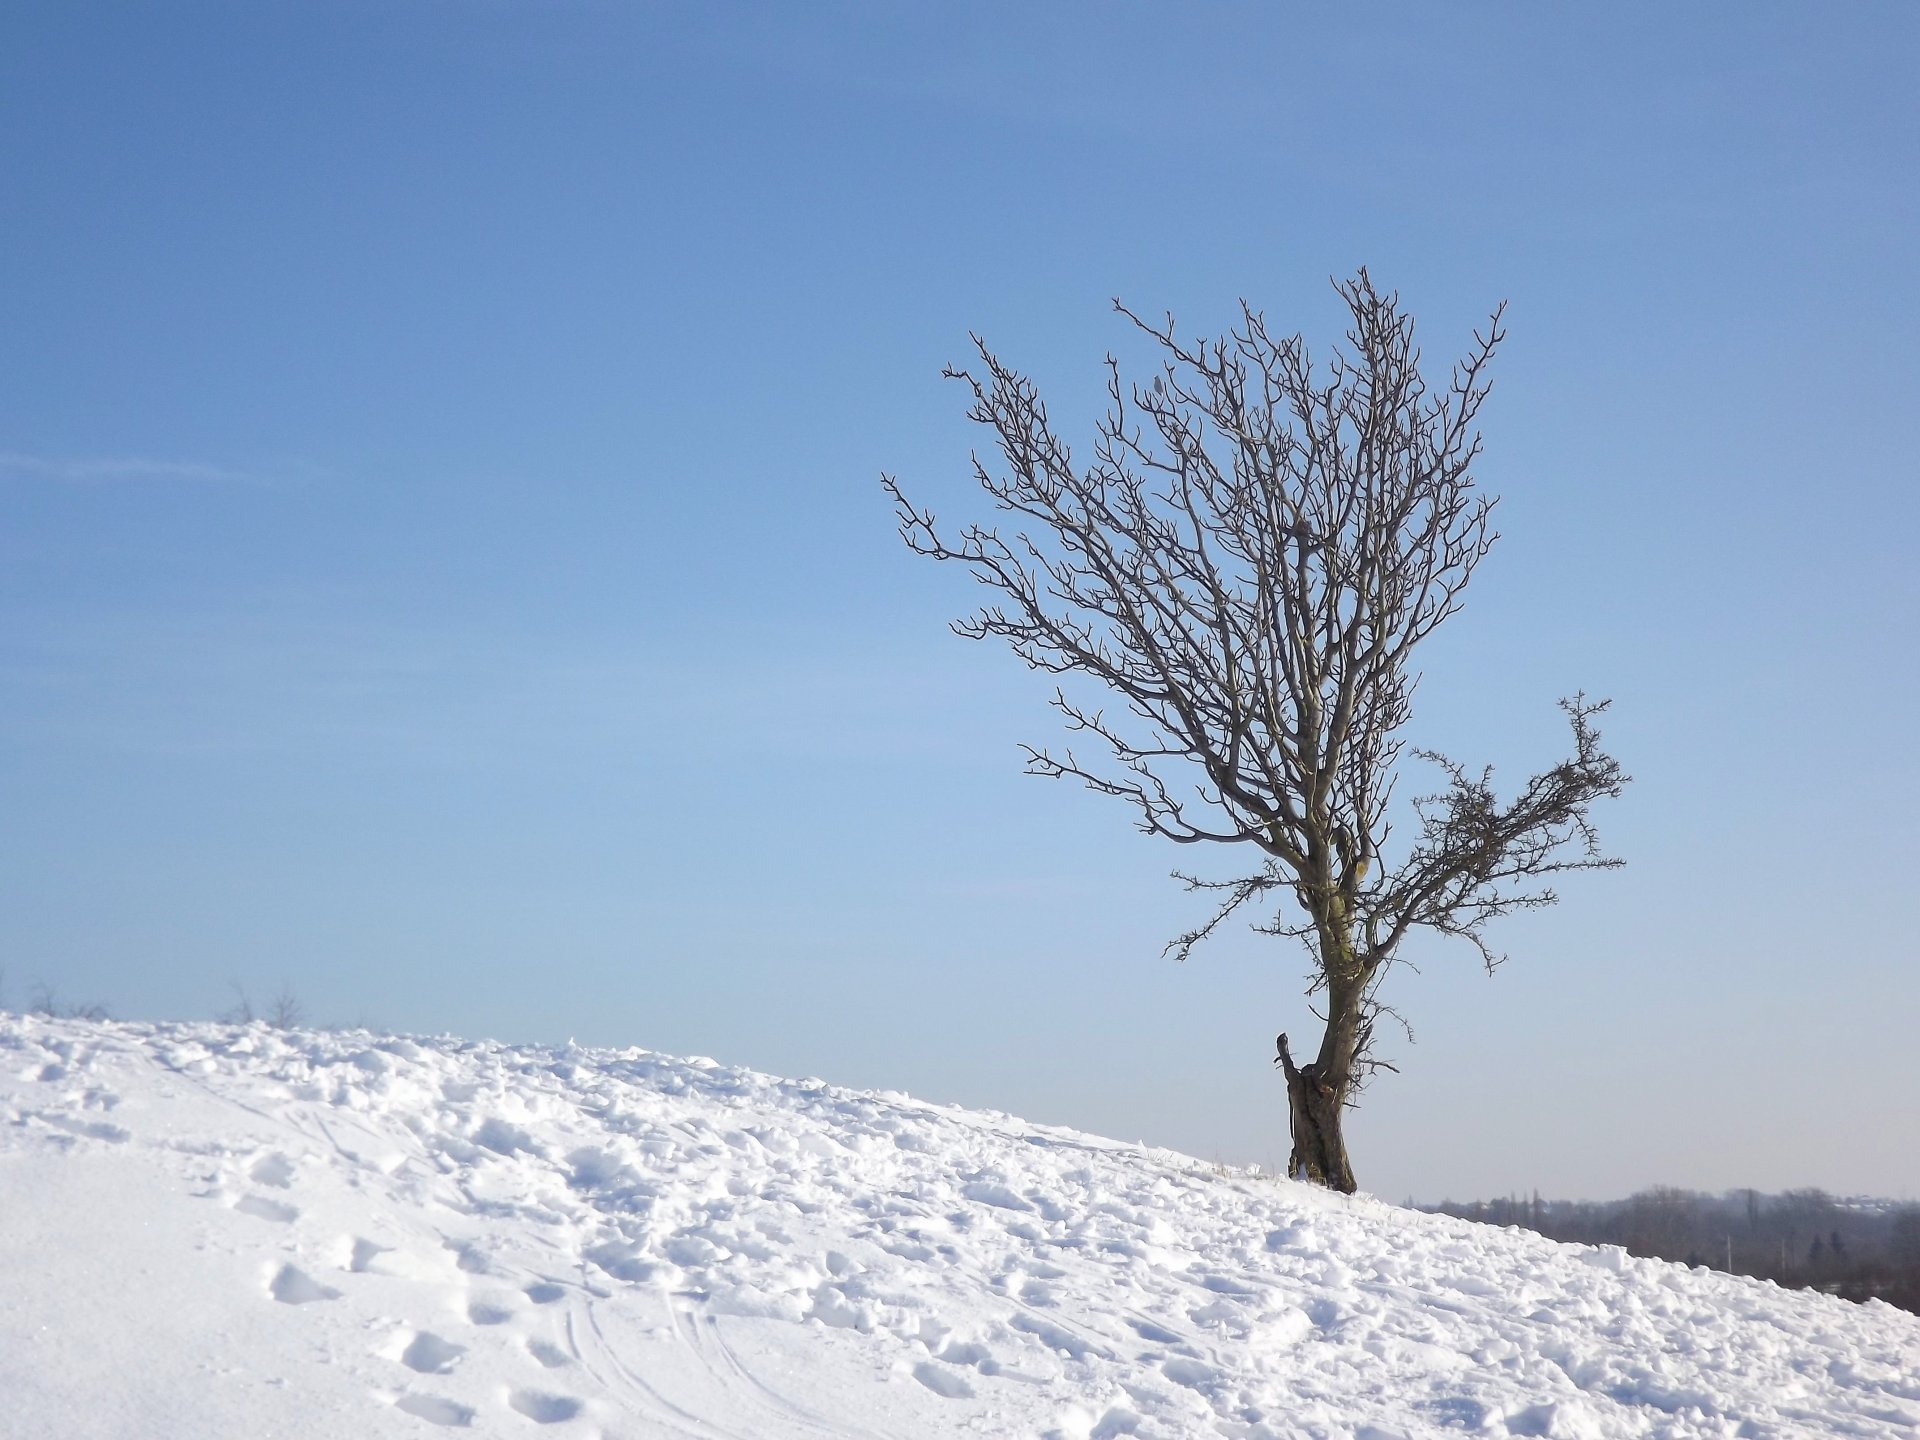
{"x":209,"y":1231}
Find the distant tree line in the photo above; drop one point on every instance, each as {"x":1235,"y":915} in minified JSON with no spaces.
{"x":1805,"y":1239}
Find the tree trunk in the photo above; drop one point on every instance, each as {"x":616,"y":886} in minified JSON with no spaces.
{"x":1316,"y":1107}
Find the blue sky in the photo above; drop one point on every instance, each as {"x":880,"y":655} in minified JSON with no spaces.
{"x":443,"y":565}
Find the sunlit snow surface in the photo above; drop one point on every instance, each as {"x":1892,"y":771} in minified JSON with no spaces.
{"x":212,"y":1231}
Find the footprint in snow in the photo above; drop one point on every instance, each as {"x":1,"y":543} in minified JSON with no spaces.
{"x":293,"y":1286}
{"x":1037,"y":1293}
{"x":942,"y":1381}
{"x":542,"y":1408}
{"x":428,"y":1354}
{"x":435,"y":1411}
{"x":261,"y":1208}
{"x":1158,"y":1334}
{"x":1187,"y":1371}
{"x":275,"y":1170}
{"x":469,"y":1259}
{"x":86,"y":1129}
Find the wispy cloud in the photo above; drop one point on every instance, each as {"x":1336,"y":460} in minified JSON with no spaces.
{"x":278,"y":678}
{"x":128,"y":470}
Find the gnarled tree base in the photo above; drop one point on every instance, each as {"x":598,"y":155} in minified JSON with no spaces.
{"x":1314,"y":1112}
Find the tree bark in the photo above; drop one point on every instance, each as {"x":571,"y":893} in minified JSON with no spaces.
{"x":1316,"y":1106}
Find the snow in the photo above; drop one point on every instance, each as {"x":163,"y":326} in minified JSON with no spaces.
{"x":234,"y":1231}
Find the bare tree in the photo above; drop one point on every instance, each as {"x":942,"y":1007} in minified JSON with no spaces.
{"x":287,"y":1012}
{"x":1248,"y":564}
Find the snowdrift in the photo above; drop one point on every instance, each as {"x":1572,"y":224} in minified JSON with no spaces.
{"x":215,"y":1231}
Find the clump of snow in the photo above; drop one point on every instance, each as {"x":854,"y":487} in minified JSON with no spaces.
{"x":219,"y":1230}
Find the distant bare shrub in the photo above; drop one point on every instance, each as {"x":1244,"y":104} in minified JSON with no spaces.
{"x":286,"y":1012}
{"x":47,"y":1002}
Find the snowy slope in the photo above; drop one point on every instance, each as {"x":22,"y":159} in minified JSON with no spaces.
{"x":212,"y":1231}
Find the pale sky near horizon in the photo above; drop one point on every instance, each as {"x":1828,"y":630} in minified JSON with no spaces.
{"x":443,"y":566}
